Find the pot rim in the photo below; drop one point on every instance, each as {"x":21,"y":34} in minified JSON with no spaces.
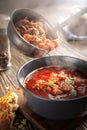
{"x":46,"y":99}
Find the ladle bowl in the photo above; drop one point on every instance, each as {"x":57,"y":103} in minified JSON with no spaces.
{"x":16,"y":38}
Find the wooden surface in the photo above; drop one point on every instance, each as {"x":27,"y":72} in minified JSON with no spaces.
{"x":9,"y":79}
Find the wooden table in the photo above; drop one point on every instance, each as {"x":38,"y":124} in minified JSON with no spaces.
{"x":9,"y":79}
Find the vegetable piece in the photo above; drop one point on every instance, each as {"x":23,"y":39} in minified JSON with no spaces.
{"x":69,"y":81}
{"x":73,"y":92}
{"x":50,"y":83}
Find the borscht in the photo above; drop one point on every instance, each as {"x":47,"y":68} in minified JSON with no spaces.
{"x":34,"y":33}
{"x":56,"y":83}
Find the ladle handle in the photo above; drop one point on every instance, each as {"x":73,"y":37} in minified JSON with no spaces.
{"x":72,"y":18}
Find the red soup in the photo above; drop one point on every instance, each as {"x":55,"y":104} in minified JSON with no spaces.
{"x":57,"y":83}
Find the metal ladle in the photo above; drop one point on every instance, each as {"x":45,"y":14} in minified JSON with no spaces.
{"x":65,"y":25}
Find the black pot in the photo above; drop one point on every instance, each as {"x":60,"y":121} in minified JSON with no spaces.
{"x":54,"y":109}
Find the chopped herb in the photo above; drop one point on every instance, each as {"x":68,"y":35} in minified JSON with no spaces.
{"x":50,"y":83}
{"x":69,"y":81}
{"x":73,"y":92}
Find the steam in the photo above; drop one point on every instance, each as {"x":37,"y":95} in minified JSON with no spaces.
{"x":59,"y":12}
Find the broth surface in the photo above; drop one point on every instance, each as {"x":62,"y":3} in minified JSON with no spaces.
{"x":55,"y":83}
